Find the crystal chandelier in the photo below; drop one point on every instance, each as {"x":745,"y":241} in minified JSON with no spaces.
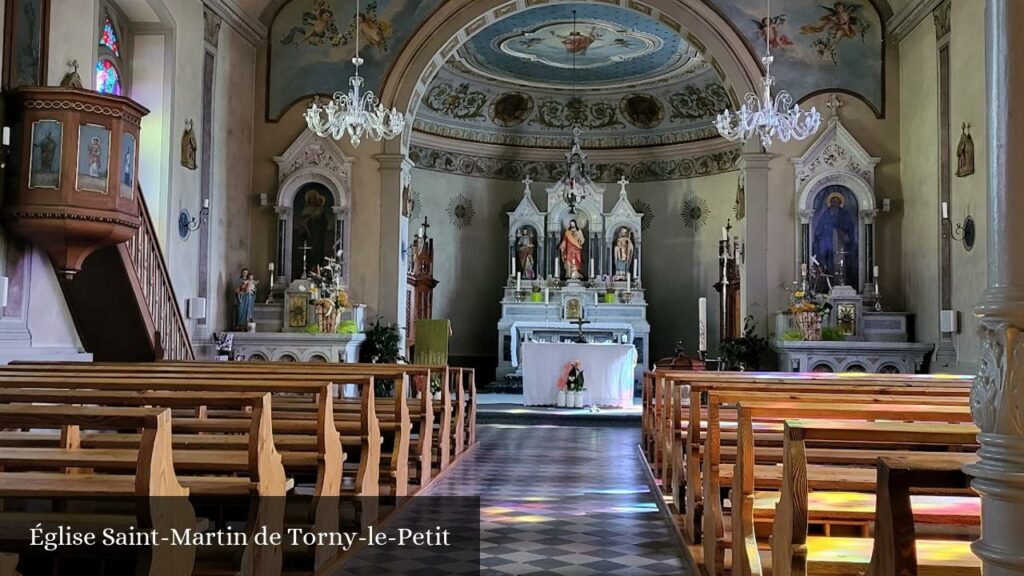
{"x":767,"y":117}
{"x":355,"y":113}
{"x":576,"y":160}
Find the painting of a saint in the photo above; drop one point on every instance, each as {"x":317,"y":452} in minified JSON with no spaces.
{"x":525,"y":245}
{"x":93,"y":157}
{"x":571,"y":249}
{"x":835,"y":239}
{"x":47,"y":153}
{"x":27,"y":53}
{"x":314,"y":226}
{"x":127,"y":180}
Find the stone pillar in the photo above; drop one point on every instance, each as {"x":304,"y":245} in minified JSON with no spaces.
{"x":997,"y":399}
{"x":754,"y":295}
{"x":391,"y":283}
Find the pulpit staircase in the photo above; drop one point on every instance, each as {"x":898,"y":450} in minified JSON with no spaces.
{"x":123,"y":303}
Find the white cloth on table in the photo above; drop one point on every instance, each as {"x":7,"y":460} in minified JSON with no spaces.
{"x":607,"y":370}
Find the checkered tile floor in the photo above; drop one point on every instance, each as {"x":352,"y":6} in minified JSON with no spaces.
{"x":566,"y":501}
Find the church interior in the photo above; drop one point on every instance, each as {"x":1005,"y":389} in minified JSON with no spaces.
{"x":632,"y":287}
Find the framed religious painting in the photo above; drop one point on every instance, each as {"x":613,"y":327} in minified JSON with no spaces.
{"x":46,"y":154}
{"x":93,"y":158}
{"x":126,"y":181}
{"x":26,"y":36}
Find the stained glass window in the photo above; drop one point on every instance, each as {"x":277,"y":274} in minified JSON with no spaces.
{"x":108,"y":81}
{"x":109,"y":38}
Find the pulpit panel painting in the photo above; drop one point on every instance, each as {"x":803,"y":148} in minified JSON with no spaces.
{"x":313,"y":231}
{"x":835,"y":237}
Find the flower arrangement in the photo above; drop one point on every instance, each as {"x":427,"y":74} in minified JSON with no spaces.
{"x":809,"y":308}
{"x":572,"y":378}
{"x":328,"y":295}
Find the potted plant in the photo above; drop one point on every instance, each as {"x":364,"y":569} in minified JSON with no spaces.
{"x":382,"y":346}
{"x":809,"y":309}
{"x":574,"y":383}
{"x":536,"y":295}
{"x":748,"y":352}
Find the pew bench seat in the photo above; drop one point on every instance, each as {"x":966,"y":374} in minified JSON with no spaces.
{"x":841,"y":556}
{"x":860,"y":507}
{"x":819,"y":476}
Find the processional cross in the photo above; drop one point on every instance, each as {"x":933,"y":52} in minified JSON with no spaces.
{"x":579,"y":322}
{"x":305,"y":249}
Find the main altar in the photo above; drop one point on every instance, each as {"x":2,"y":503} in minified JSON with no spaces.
{"x":575,"y":272}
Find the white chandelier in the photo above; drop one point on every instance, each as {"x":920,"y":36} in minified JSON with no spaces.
{"x":355,"y":113}
{"x":767,"y":117}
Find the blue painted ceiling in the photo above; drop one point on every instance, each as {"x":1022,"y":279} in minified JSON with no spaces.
{"x":613,"y":46}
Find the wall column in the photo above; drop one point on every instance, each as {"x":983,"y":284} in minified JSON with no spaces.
{"x":997,"y":399}
{"x":754,"y":282}
{"x":391,"y":284}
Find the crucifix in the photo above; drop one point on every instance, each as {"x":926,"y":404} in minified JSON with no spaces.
{"x":424,"y":227}
{"x":579,"y":322}
{"x":526,"y":183}
{"x":622,"y":184}
{"x":305,"y":249}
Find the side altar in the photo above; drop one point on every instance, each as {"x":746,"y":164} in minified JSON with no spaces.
{"x":574,"y":271}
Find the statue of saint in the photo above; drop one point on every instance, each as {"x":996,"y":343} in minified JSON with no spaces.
{"x":524,"y":252}
{"x":623,"y":252}
{"x":834,"y":235}
{"x":572,"y":250}
{"x":245,"y":300}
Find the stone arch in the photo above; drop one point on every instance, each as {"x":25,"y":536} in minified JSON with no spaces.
{"x":453,"y":23}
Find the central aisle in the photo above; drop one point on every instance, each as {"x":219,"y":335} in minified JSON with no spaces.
{"x":570,"y":501}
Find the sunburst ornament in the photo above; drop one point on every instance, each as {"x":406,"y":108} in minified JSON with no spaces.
{"x":695,"y":212}
{"x":415,"y":206}
{"x":645,"y":209}
{"x":460,"y":212}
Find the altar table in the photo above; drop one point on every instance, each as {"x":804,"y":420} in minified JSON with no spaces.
{"x":607,"y":370}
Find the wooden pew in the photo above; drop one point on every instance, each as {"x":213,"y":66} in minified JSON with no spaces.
{"x":684,"y":443}
{"x":796,"y":554}
{"x":362,"y":435}
{"x":423,"y":413}
{"x":714,"y":472}
{"x":895,"y":546}
{"x":839,"y":470}
{"x":152,"y":483}
{"x":658,"y":393}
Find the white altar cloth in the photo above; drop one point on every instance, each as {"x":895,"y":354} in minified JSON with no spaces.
{"x":607,"y":369}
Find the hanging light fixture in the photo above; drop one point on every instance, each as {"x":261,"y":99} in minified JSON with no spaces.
{"x":355,"y":113}
{"x":576,"y":161}
{"x":767,"y":117}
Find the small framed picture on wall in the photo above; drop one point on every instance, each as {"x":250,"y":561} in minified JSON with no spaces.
{"x":26,"y":37}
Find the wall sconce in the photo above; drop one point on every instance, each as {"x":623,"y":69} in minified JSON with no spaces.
{"x":188,"y":223}
{"x":965,"y":232}
{"x":5,"y":147}
{"x":197,"y":308}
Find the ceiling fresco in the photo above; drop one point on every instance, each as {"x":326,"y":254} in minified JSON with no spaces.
{"x":463,"y":105}
{"x":620,"y":51}
{"x":817,"y":45}
{"x":611,"y":46}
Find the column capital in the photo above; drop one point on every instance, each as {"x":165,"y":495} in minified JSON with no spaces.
{"x":394,"y":162}
{"x":754,"y":161}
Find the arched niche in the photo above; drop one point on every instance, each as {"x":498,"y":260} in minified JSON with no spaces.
{"x":311,"y":165}
{"x":835,"y":201}
{"x":527,"y":216}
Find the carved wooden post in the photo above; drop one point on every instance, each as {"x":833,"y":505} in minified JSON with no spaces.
{"x":997,"y":400}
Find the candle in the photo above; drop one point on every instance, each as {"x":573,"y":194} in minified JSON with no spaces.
{"x":636,"y":268}
{"x":519,"y":281}
{"x":512,"y":261}
{"x":7,"y":136}
{"x":558,"y":275}
{"x":876,"y":271}
{"x":725,"y":233}
{"x":629,"y":282}
{"x":702,"y":310}
{"x":270,"y":267}
{"x":591,"y":268}
{"x":945,"y":210}
{"x":547,"y":295}
{"x":595,"y":297}
{"x":423,"y":232}
{"x":206,"y":202}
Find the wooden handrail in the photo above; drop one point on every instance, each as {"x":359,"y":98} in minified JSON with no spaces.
{"x":170,"y":335}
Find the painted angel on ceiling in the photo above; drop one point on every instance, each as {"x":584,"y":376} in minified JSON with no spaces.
{"x":840,"y":22}
{"x":318,"y":26}
{"x":770,"y":27}
{"x":578,"y":42}
{"x":373,"y":29}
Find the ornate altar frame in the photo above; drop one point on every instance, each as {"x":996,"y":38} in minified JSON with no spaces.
{"x":591,"y":205}
{"x":836,"y":158}
{"x":310,"y":159}
{"x":528,"y":214}
{"x":623,"y":215}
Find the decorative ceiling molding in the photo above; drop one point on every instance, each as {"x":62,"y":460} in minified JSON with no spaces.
{"x":606,"y":170}
{"x":249,"y":28}
{"x":912,"y":14}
